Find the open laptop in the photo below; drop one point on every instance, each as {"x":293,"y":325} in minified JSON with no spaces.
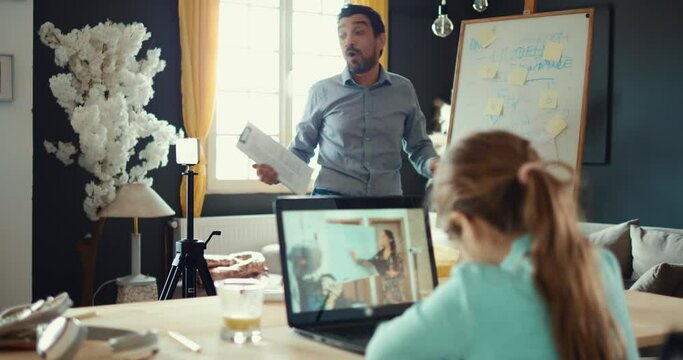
{"x":339,"y":280}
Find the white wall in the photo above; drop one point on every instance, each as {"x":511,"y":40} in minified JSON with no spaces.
{"x":16,"y":155}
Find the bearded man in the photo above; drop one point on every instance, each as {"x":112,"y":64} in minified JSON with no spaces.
{"x":361,"y":119}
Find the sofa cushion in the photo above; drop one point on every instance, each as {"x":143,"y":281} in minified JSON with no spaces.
{"x":617,"y":239}
{"x":663,"y":279}
{"x":652,"y":247}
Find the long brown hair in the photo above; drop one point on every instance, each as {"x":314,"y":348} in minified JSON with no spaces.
{"x":499,"y":177}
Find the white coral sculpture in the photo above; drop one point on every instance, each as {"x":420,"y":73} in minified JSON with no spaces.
{"x":104,"y":95}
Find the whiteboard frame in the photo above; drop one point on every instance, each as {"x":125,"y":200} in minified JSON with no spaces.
{"x":589,"y":45}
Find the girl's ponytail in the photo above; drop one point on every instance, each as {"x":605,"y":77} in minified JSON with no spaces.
{"x":565,"y":267}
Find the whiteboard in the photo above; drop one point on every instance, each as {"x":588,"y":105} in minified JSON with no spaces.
{"x":490,"y":91}
{"x":341,"y":240}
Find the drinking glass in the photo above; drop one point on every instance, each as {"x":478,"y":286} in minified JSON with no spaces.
{"x":241,"y":307}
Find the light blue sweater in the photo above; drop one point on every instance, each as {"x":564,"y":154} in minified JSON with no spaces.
{"x":489,"y":312}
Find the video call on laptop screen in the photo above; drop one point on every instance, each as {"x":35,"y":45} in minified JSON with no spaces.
{"x":356,"y":258}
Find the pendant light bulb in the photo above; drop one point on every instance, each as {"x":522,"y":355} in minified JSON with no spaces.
{"x":442,"y":26}
{"x":480,"y":5}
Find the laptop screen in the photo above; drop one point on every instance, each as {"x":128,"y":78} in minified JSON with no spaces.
{"x":354,"y":258}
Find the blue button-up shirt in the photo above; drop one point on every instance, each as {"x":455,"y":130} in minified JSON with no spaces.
{"x":360,"y":132}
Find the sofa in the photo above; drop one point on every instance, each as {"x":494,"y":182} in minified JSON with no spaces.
{"x":651,"y":258}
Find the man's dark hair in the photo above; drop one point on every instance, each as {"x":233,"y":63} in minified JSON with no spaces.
{"x":375,"y":19}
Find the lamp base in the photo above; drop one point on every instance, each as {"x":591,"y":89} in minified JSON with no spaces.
{"x":135,"y":280}
{"x":134,"y":288}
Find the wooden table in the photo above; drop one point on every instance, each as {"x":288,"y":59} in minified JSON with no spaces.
{"x":199,"y":319}
{"x":654,"y":316}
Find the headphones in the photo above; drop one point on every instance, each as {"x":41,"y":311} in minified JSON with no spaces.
{"x":62,"y":338}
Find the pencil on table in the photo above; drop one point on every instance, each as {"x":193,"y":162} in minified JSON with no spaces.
{"x":184,"y":341}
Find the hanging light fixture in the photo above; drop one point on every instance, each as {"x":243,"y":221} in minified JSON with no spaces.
{"x":442,"y":26}
{"x":480,"y":5}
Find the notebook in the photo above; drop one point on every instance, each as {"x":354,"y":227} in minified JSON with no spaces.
{"x":350,"y":263}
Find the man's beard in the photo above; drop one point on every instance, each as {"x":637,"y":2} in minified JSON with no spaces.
{"x":362,"y":64}
{"x":361,"y":67}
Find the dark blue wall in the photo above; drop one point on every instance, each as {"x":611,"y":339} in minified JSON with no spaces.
{"x":644,"y":176}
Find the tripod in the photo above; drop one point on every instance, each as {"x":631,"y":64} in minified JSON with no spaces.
{"x":189,"y":255}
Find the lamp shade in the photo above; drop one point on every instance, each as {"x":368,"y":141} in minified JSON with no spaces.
{"x":137,"y":201}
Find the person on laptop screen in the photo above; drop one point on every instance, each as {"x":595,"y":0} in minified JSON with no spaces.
{"x":360,"y":119}
{"x":314,"y":290}
{"x":532,"y":285}
{"x":389,"y":265}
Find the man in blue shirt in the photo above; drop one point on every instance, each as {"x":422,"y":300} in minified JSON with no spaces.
{"x":361,"y":119}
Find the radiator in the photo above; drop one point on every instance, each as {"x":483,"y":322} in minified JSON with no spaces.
{"x":238,"y":233}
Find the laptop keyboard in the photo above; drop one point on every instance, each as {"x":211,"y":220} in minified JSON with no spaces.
{"x":359,"y":335}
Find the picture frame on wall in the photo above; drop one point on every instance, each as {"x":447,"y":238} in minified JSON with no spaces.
{"x":6,"y":75}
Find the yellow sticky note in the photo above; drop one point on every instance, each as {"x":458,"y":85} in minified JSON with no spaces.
{"x":488,"y":70}
{"x":555,"y":126}
{"x":517,"y":76}
{"x":494,"y":107}
{"x":548,"y":99}
{"x":553,"y":51}
{"x":485,"y":37}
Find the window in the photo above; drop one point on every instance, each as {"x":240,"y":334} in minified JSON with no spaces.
{"x":270,"y":52}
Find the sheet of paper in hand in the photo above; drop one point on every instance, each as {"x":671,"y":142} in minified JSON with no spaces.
{"x":292,"y":172}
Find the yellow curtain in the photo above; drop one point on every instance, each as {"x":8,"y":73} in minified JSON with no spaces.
{"x":382,"y":7}
{"x":199,"y":50}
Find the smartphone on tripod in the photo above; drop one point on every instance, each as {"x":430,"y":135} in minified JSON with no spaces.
{"x":189,"y":257}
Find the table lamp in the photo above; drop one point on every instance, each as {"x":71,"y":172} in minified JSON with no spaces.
{"x":135,"y":201}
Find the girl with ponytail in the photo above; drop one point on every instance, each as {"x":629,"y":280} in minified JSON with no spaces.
{"x":531,"y":286}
